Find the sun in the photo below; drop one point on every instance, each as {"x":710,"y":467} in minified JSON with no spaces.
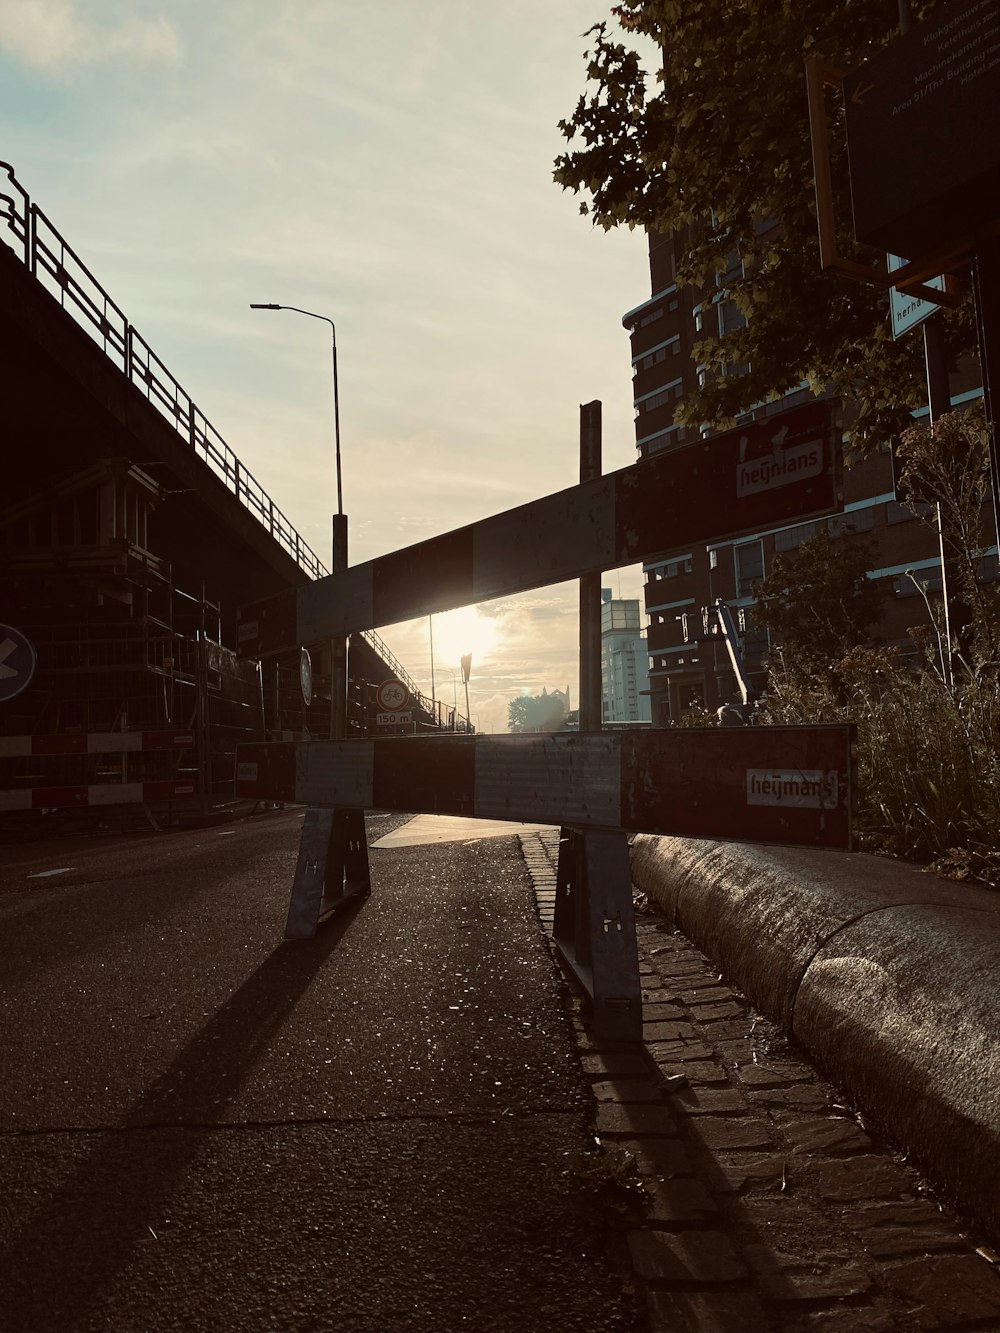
{"x":462,"y":631}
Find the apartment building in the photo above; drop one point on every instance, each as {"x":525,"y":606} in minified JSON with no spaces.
{"x":624,"y":661}
{"x":680,"y":582}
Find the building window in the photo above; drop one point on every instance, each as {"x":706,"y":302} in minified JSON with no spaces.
{"x":673,"y":568}
{"x":749,"y":557}
{"x":731,"y":318}
{"x":897,"y":513}
{"x":650,"y":404}
{"x":653,"y":359}
{"x":929,"y":582}
{"x":792,"y":538}
{"x":651,"y":318}
{"x":858,"y":520}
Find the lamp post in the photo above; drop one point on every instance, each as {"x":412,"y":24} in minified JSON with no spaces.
{"x":336,"y":391}
{"x":338,"y":646}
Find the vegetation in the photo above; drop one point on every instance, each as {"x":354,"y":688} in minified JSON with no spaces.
{"x":928,"y":762}
{"x":817,"y":602}
{"x":537,"y":712}
{"x":715,"y":149}
{"x":928,"y":754}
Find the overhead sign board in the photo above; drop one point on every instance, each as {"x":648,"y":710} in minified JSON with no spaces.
{"x":780,"y":469}
{"x":754,"y":784}
{"x":17,"y":662}
{"x":921,"y":132}
{"x":905,"y":311}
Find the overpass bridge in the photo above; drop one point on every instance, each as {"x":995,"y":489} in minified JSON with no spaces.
{"x":130,"y":533}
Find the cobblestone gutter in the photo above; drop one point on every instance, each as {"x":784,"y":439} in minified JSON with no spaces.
{"x":768,"y":1204}
{"x":890,"y":979}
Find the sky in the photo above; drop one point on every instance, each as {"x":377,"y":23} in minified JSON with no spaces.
{"x":387,"y":165}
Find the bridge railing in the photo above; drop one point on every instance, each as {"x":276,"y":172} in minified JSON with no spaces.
{"x":60,"y":270}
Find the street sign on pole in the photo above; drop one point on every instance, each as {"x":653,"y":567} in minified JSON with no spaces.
{"x":909,"y":311}
{"x":921,"y":118}
{"x":392,"y":695}
{"x":394,"y":719}
{"x":17,"y":662}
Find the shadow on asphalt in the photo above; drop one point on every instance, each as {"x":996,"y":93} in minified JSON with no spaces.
{"x":91,"y":1222}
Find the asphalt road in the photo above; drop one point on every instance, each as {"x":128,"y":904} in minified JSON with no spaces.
{"x":205,"y":1128}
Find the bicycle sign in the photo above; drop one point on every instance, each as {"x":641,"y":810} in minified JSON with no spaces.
{"x":392,"y":696}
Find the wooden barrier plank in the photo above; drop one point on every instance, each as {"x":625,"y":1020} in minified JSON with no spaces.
{"x":792,"y":785}
{"x":784,"y":468}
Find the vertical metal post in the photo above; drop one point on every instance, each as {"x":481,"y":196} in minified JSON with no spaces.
{"x":591,"y":707}
{"x":430,"y":631}
{"x":594,"y":929}
{"x":201,"y":713}
{"x":956,"y":610}
{"x":338,"y":646}
{"x":594,"y":925}
{"x":332,"y":864}
{"x":986,"y":273}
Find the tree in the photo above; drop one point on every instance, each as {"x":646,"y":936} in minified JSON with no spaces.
{"x":944,"y":475}
{"x":719,"y":156}
{"x":818,"y":603}
{"x":537,"y":712}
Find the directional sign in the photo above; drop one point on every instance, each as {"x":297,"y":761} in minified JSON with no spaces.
{"x":921,"y":121}
{"x":759,"y":475}
{"x":908,"y":311}
{"x":392,"y":695}
{"x":754,"y":784}
{"x":17,"y":662}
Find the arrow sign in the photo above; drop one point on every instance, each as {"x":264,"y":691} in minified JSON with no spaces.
{"x":17,"y":662}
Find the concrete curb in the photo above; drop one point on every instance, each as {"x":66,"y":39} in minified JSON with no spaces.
{"x":890,"y":978}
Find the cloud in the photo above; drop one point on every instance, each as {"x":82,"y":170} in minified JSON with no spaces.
{"x":53,"y":36}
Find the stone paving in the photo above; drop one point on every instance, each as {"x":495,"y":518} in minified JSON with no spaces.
{"x":767,"y":1204}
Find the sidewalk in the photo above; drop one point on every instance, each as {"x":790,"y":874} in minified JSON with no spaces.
{"x":771,"y":1207}
{"x":889,"y":978}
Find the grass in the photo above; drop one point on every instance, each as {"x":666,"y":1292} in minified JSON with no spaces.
{"x":928,"y":762}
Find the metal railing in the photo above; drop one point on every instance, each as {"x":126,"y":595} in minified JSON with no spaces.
{"x":60,"y":270}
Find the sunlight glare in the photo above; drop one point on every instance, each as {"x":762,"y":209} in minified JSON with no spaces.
{"x":464,"y":630}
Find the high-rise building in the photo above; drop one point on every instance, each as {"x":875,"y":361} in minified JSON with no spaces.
{"x":680,"y":581}
{"x":624,"y":661}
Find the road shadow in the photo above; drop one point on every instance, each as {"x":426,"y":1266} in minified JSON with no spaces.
{"x":60,"y":1258}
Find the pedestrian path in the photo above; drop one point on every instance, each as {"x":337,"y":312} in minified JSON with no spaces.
{"x":770,"y":1206}
{"x":422,"y":830}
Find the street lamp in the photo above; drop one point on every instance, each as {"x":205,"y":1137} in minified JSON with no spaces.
{"x":336,"y":393}
{"x":338,"y":644}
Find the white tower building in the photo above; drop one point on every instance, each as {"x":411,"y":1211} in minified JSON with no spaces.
{"x":624,"y":661}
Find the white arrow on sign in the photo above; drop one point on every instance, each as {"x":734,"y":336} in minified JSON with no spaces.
{"x":6,"y":648}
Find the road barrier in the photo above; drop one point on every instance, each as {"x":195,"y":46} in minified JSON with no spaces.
{"x":757,"y":784}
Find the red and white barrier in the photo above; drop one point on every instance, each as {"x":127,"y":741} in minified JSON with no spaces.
{"x":104,"y":793}
{"x":95,"y":742}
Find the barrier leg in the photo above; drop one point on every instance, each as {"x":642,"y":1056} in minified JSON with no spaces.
{"x":332,"y":867}
{"x":594,"y":929}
